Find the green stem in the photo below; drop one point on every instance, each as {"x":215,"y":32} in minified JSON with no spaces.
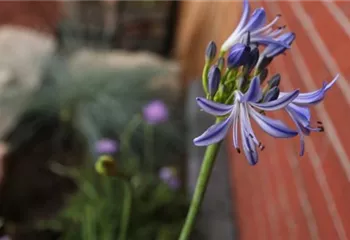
{"x":149,"y":146}
{"x":205,"y":77}
{"x":201,"y":186}
{"x":127,"y":202}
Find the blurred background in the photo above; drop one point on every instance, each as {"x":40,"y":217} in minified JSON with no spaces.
{"x":283,"y":197}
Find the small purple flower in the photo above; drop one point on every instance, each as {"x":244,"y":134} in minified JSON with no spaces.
{"x":155,"y":112}
{"x":238,"y":55}
{"x":169,"y":176}
{"x":5,"y":238}
{"x":106,"y":146}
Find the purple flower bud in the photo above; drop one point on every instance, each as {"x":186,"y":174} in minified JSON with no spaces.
{"x":210,"y":52}
{"x":238,"y":55}
{"x":272,"y":94}
{"x":274,"y":81}
{"x":214,"y":77}
{"x":264,"y":62}
{"x":252,"y":60}
{"x":263,"y":75}
{"x":155,"y":112}
{"x":106,"y":146}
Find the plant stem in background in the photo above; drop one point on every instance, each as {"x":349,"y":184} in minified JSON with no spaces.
{"x":89,"y":225}
{"x":201,"y":186}
{"x":149,"y":146}
{"x":127,"y":202}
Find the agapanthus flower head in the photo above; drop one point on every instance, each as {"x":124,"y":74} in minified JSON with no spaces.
{"x":245,"y":106}
{"x":242,"y":93}
{"x":155,"y":112}
{"x":170,"y":177}
{"x":106,"y":146}
{"x":260,"y":32}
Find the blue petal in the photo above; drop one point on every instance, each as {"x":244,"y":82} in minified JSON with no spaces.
{"x":301,"y":133}
{"x":315,"y":96}
{"x":245,"y":123}
{"x":213,"y":108}
{"x":275,"y":128}
{"x":235,"y":125}
{"x":272,"y":50}
{"x":253,"y":93}
{"x":266,"y":40}
{"x":279,"y":103}
{"x":214,"y":134}
{"x":248,"y":145}
{"x":266,"y":27}
{"x":244,"y":17}
{"x":237,"y":32}
{"x":303,"y":113}
{"x":257,"y":20}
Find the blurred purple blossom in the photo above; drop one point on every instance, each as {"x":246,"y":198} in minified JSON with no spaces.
{"x":169,"y":176}
{"x":155,"y":112}
{"x":106,"y":146}
{"x":5,"y":238}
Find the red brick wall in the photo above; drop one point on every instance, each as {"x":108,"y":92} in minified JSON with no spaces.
{"x":39,"y":15}
{"x":290,"y":197}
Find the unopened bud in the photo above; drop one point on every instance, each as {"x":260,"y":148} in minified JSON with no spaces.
{"x":238,"y":55}
{"x":214,"y":77}
{"x":272,"y":94}
{"x":264,"y":62}
{"x":263,"y":75}
{"x":210,"y":52}
{"x":274,"y":81}
{"x":252,"y":60}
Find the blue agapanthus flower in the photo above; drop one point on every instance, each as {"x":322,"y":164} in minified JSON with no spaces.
{"x":300,"y":113}
{"x":244,"y":107}
{"x":241,"y":94}
{"x":260,"y":32}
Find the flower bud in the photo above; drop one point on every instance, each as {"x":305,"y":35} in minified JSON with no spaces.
{"x":263,"y":75}
{"x":272,"y":94}
{"x":252,"y":60}
{"x":214,"y":77}
{"x":238,"y":55}
{"x":274,"y":81}
{"x":264,"y":62}
{"x":210,"y":52}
